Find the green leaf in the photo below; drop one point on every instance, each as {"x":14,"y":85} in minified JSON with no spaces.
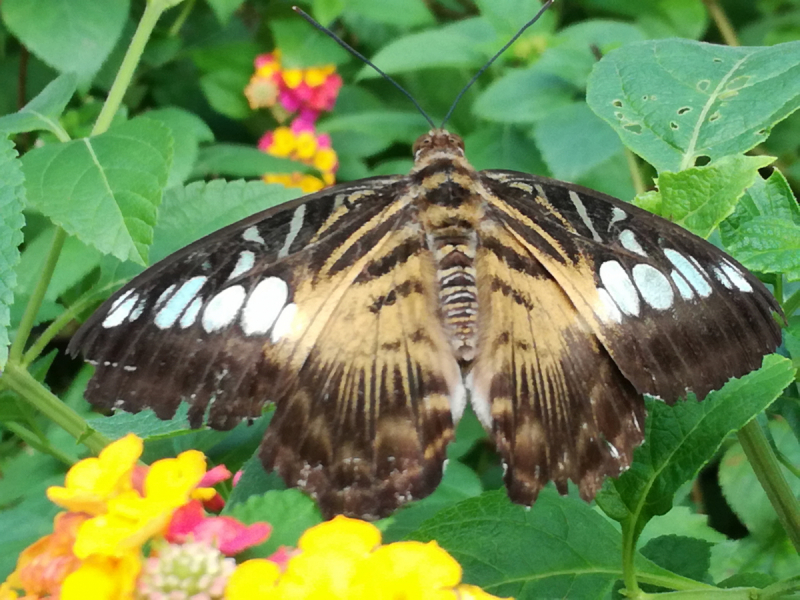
{"x":289,"y":512}
{"x":673,"y":101}
{"x":226,"y":69}
{"x":75,"y":262}
{"x":672,"y":18}
{"x":523,"y":96}
{"x":43,"y":111}
{"x":398,"y":13}
{"x":74,"y":36}
{"x":104,"y":190}
{"x":304,"y":46}
{"x":188,"y":132}
{"x":555,"y":137}
{"x":12,"y":199}
{"x":375,"y":130}
{"x":503,"y":147}
{"x":456,"y":45}
{"x":223,"y":9}
{"x":235,"y":160}
{"x":145,"y":424}
{"x":699,"y":198}
{"x":200,"y":208}
{"x":681,"y":438}
{"x":753,"y":508}
{"x":764,"y":231}
{"x":685,"y":556}
{"x":559,"y":548}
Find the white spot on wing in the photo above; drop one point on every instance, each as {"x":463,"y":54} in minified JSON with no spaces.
{"x":222,"y":309}
{"x":628,"y":240}
{"x":611,"y":309}
{"x":689,"y":271}
{"x":167,"y":316}
{"x":576,"y":200}
{"x":163,"y":297}
{"x":294,"y":228}
{"x":458,"y":401}
{"x":251,"y":235}
{"x":737,"y":278}
{"x":479,"y":402}
{"x":653,"y":286}
{"x":722,"y":278}
{"x":620,"y":287}
{"x":686,"y":291}
{"x":245,"y":262}
{"x":264,"y":305}
{"x":138,"y":310}
{"x":190,"y":316}
{"x":617,"y":214}
{"x":120,"y":309}
{"x":283,"y":324}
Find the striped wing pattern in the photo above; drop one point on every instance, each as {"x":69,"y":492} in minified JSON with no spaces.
{"x":372,"y":312}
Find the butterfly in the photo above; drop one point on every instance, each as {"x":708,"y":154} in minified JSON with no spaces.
{"x":372,"y":312}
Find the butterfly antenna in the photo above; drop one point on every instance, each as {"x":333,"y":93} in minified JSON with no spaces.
{"x":363,"y":58}
{"x":494,"y":58}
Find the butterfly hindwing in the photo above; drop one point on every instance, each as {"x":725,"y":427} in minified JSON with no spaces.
{"x":675,"y":313}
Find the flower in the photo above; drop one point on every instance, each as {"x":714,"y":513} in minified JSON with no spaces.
{"x":185,"y":571}
{"x":225,"y":533}
{"x":91,"y":482}
{"x":253,"y":579}
{"x":103,"y":578}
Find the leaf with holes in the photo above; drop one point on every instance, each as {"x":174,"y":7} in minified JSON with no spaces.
{"x":43,"y":111}
{"x":699,"y":198}
{"x":764,"y":231}
{"x":674,"y":101}
{"x":12,"y":199}
{"x":681,"y":438}
{"x":104,"y":190}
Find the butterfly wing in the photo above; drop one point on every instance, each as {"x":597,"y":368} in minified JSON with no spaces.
{"x":308,"y":316}
{"x":556,"y":403}
{"x":675,"y":313}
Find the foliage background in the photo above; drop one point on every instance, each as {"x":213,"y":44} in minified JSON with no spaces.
{"x":527,"y":113}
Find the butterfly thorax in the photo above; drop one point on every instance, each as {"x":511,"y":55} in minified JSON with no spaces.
{"x":450,"y":209}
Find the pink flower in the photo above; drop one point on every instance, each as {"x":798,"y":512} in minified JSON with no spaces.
{"x":189,"y":523}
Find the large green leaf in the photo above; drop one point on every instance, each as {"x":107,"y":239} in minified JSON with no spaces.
{"x":43,"y":111}
{"x":673,"y":101}
{"x":560,"y":548}
{"x":71,"y":36}
{"x":104,"y":190}
{"x":12,"y":199}
{"x":681,"y":438}
{"x":188,"y":132}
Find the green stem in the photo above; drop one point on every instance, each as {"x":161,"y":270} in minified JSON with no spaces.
{"x":148,"y":22}
{"x":636,"y":174}
{"x":781,"y":589}
{"x":35,"y":301}
{"x":726,"y":594}
{"x":34,"y":441}
{"x":777,"y":288}
{"x":628,"y":555}
{"x":61,"y":321}
{"x":675,"y":582}
{"x":765,"y":464}
{"x":17,"y":378}
{"x":185,"y":12}
{"x":792,"y":304}
{"x":722,"y":22}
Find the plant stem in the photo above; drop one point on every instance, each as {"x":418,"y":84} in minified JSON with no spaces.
{"x":37,"y":443}
{"x":148,"y":22}
{"x":701,"y":594}
{"x":185,"y":12}
{"x":35,"y":301}
{"x":792,"y":304}
{"x":780,"y":589}
{"x":17,"y":378}
{"x":765,"y":464}
{"x":722,"y":22}
{"x":636,"y":174}
{"x":777,"y":288}
{"x":628,"y":551}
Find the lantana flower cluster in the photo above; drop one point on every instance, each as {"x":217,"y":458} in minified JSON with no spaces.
{"x":300,"y":95}
{"x":131,"y":532}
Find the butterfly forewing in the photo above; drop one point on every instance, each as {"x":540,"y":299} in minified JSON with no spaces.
{"x":370,"y":312}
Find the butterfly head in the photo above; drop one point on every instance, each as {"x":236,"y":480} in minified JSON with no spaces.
{"x":437,"y":143}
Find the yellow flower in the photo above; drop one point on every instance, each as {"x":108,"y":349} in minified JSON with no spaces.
{"x":252,"y":579}
{"x":292,"y":77}
{"x":6,"y":593}
{"x":283,"y":142}
{"x":306,"y":146}
{"x":103,"y":578}
{"x":91,"y":482}
{"x":408,"y":570}
{"x":325,"y":160}
{"x":132,"y":519}
{"x":316,"y":76}
{"x":341,"y":534}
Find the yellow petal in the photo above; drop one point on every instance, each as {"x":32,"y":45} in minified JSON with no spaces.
{"x":341,"y":534}
{"x":252,"y":579}
{"x":173,"y":479}
{"x":102,"y":578}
